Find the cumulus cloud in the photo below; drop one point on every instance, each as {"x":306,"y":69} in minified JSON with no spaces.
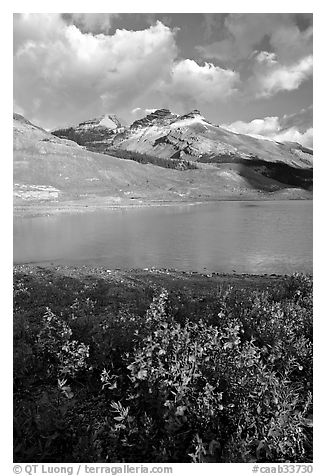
{"x":269,"y":50}
{"x":287,"y":128}
{"x":70,"y":67}
{"x":257,"y":127}
{"x":293,"y":135}
{"x":271,"y":77}
{"x":33,"y":28}
{"x":206,"y":83}
{"x":63,"y":75}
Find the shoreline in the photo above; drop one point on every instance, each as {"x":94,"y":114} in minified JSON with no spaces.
{"x":37,"y":209}
{"x":138,"y":277}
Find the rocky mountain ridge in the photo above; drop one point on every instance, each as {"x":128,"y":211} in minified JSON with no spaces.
{"x":109,"y":121}
{"x":190,"y":136}
{"x":89,"y":133}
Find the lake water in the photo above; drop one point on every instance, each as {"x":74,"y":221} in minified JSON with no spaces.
{"x":245,"y":237}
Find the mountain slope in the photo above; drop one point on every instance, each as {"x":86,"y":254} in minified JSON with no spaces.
{"x":41,"y":159}
{"x":192,"y":137}
{"x":94,"y":131}
{"x":53,"y":172}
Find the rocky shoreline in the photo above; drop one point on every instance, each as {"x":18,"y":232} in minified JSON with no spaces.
{"x":164,"y":277}
{"x":91,"y":204}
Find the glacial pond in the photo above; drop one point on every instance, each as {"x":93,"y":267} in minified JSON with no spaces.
{"x":231,"y":236}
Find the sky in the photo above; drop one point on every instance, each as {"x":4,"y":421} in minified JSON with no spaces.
{"x":250,"y":72}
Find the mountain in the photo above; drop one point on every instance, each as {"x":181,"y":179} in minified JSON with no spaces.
{"x":191,"y":140}
{"x":191,"y":136}
{"x":53,"y":174}
{"x":49,"y":168}
{"x":93,"y":132}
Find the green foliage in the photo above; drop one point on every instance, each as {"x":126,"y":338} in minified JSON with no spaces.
{"x":222,"y":378}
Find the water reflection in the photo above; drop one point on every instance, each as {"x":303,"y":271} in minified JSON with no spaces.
{"x":260,"y":237}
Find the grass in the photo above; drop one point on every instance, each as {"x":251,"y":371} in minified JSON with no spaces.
{"x":161,"y":366}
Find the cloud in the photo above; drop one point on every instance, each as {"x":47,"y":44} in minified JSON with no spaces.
{"x":290,"y":43}
{"x":141,"y":112}
{"x":287,"y":128}
{"x":270,"y":51}
{"x":213,"y":25}
{"x":91,"y":22}
{"x":271,"y":77}
{"x":301,"y":120}
{"x":293,"y":135}
{"x":34,"y":28}
{"x":257,"y":127}
{"x":243,"y":32}
{"x":64,"y":72}
{"x":206,"y":83}
{"x":63,"y":75}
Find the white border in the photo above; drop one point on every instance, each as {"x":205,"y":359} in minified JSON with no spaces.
{"x":167,"y":6}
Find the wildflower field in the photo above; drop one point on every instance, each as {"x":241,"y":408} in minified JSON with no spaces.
{"x":161,"y":367}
